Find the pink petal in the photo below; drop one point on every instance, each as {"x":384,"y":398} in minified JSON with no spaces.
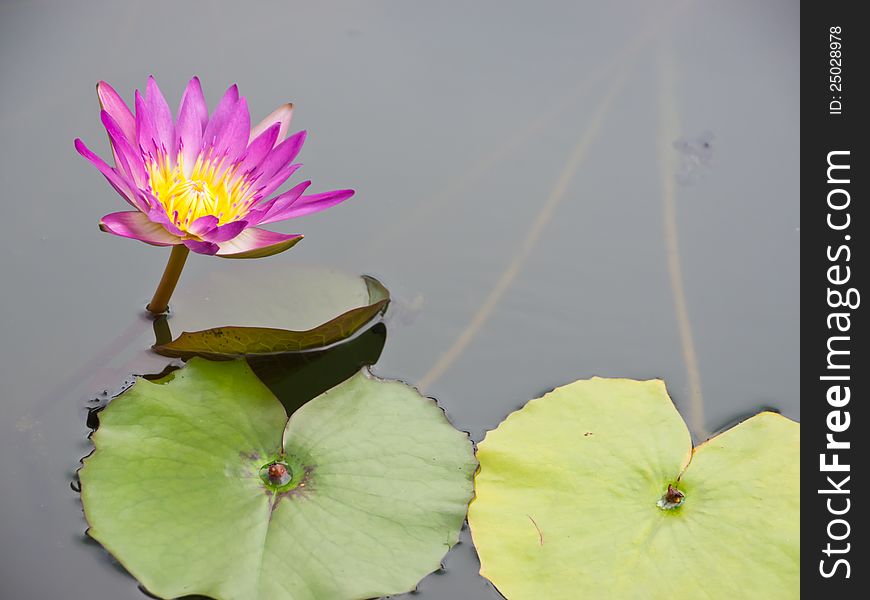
{"x":203,"y":224}
{"x":257,"y":243}
{"x":280,"y":115}
{"x":136,"y":225}
{"x":189,"y":131}
{"x":146,"y":132}
{"x":277,"y":181}
{"x":117,"y":181}
{"x":258,"y":149}
{"x":306,"y":205}
{"x":158,"y":214}
{"x":277,"y":203}
{"x":201,"y":247}
{"x":222,"y":113}
{"x":224,"y":233}
{"x":196,"y":99}
{"x":128,"y":158}
{"x":113,"y":104}
{"x":232,"y":140}
{"x":282,"y":155}
{"x":161,"y":116}
{"x":207,"y":228}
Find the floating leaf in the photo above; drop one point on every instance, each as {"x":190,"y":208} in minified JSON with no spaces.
{"x":594,"y":491}
{"x":226,"y":342}
{"x":184,"y":487}
{"x":281,"y":294}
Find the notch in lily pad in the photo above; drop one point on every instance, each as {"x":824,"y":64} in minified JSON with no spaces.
{"x":200,"y":484}
{"x":595,"y":490}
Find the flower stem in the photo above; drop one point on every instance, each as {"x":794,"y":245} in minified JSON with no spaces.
{"x":160,"y":301}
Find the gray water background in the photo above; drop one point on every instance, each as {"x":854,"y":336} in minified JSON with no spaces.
{"x":511,"y":161}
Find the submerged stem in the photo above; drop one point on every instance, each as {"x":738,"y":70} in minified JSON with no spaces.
{"x":160,"y":301}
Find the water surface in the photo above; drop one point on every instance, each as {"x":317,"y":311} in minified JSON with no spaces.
{"x":519,"y":191}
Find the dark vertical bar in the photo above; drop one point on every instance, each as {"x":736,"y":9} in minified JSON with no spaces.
{"x":835,"y":224}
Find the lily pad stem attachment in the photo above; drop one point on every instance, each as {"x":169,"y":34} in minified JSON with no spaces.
{"x":160,"y":301}
{"x":671,"y":499}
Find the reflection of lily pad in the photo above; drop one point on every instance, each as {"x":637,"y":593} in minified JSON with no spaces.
{"x":297,"y":377}
{"x":222,"y":342}
{"x":571,"y":500}
{"x":178,"y":488}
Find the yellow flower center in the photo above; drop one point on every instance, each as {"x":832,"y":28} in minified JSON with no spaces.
{"x":209,"y":189}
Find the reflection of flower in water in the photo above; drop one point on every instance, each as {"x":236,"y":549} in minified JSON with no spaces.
{"x":696,"y":157}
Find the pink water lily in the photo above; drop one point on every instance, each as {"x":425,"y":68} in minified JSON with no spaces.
{"x":200,"y":182}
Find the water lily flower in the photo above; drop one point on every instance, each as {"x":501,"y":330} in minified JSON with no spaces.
{"x":202,"y":182}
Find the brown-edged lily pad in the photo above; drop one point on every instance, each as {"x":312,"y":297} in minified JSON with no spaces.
{"x":234,"y":341}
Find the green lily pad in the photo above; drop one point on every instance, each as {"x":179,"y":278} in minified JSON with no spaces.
{"x":572,"y":500}
{"x":234,"y":341}
{"x":184,"y":490}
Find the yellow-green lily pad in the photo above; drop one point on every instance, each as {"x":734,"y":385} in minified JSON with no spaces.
{"x":595,"y":491}
{"x":199,"y":484}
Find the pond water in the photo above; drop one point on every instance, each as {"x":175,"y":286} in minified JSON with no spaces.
{"x":532,"y":186}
